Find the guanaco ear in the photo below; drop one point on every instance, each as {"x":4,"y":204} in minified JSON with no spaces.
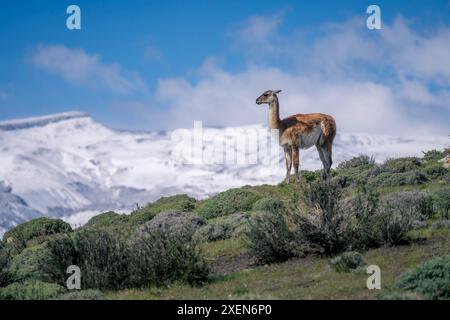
{"x":277,"y":91}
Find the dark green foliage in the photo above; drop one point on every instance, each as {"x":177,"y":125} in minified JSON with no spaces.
{"x":441,"y":200}
{"x":180,"y":202}
{"x":347,"y":261}
{"x":434,"y":171}
{"x":362,"y":161}
{"x":325,"y":228}
{"x":228,"y":202}
{"x":35,"y":229}
{"x":394,"y":225}
{"x":31,"y":290}
{"x":107,"y":261}
{"x":268,"y":204}
{"x":28,"y":265}
{"x":387,"y":179}
{"x":105,"y":220}
{"x":310,"y":176}
{"x":430,"y":279}
{"x":270,"y":239}
{"x":102,"y":258}
{"x":413,"y":203}
{"x":400,"y":165}
{"x":435,"y":155}
{"x":164,"y":256}
{"x":355,"y":170}
{"x":226,"y":227}
{"x":5,"y":276}
{"x":82,"y":295}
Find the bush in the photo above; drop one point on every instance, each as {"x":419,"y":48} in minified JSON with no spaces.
{"x":37,"y":228}
{"x":28,"y":264}
{"x":393,"y":225}
{"x":430,"y":279}
{"x":102,"y":258}
{"x":441,"y":200}
{"x":82,"y":295}
{"x":162,"y":256}
{"x":401,"y":165}
{"x":415,"y":203}
{"x":268,"y":204}
{"x":269,"y":239}
{"x":355,"y":170}
{"x":387,"y":179}
{"x":105,"y":220}
{"x":362,"y":162}
{"x":435,"y":155}
{"x":180,"y":202}
{"x":434,"y":171}
{"x":5,"y":276}
{"x":347,"y":262}
{"x":325,"y":228}
{"x":228,"y":202}
{"x":222,"y":228}
{"x":31,"y":290}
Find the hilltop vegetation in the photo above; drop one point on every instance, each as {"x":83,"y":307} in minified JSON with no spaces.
{"x":241,"y":241}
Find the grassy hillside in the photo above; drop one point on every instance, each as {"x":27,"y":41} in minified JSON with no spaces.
{"x":307,"y":241}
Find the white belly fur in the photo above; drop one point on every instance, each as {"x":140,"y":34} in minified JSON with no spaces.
{"x":310,"y":139}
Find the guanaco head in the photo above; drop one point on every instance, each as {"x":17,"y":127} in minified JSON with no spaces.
{"x":267,"y":97}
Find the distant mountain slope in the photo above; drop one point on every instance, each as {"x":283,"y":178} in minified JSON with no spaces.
{"x":64,"y":164}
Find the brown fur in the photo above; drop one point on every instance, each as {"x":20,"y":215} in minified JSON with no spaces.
{"x":301,"y":128}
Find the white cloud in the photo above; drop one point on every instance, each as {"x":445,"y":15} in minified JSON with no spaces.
{"x":371,"y":81}
{"x":80,"y":68}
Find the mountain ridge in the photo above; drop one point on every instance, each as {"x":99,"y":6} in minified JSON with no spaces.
{"x":67,"y":164}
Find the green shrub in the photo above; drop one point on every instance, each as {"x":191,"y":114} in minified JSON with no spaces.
{"x":434,"y":171}
{"x":355,"y":170}
{"x":362,"y":213}
{"x":393,"y":225}
{"x":5,"y":258}
{"x":31,"y":290}
{"x":441,"y":200}
{"x":269,"y":238}
{"x":362,"y":162}
{"x":82,"y":295}
{"x":105,"y":220}
{"x":102,"y":258}
{"x":180,"y":202}
{"x":37,"y":228}
{"x":221,"y":228}
{"x":324,"y":228}
{"x":387,"y":179}
{"x":228,"y":202}
{"x":347,"y":262}
{"x":415,"y":203}
{"x":28,"y":264}
{"x":430,"y":279}
{"x":401,"y":165}
{"x":435,"y":155}
{"x":268,"y":204}
{"x":159,"y":257}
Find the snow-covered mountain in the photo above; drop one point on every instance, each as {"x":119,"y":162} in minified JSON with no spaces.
{"x":68,"y":165}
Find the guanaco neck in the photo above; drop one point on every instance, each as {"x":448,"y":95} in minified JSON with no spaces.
{"x":274,"y":114}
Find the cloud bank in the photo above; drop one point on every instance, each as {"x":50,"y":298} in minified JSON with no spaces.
{"x":395,"y":80}
{"x":78,"y":67}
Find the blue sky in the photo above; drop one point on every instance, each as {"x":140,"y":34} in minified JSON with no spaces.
{"x":151,"y":65}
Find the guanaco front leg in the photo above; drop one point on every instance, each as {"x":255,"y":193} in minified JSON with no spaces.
{"x":296,"y":161}
{"x":288,"y":158}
